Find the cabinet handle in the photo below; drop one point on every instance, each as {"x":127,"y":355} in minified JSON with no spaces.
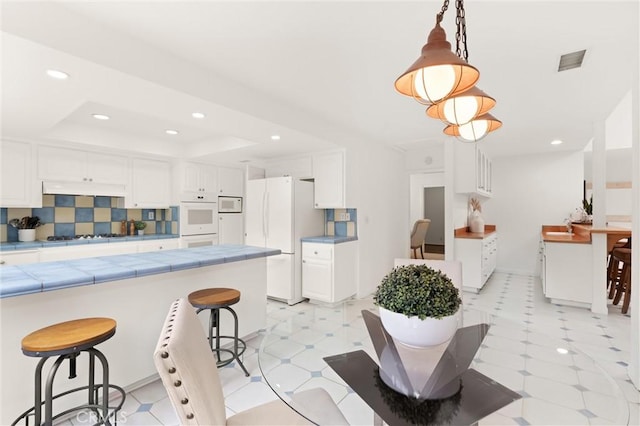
{"x":1,"y":262}
{"x":84,"y":179}
{"x":160,"y":248}
{"x":304,"y":261}
{"x":90,"y":179}
{"x":315,"y":252}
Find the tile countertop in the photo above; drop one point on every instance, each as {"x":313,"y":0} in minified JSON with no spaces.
{"x":6,"y":246}
{"x":328,"y":239}
{"x":47,"y":276}
{"x":464,"y":232}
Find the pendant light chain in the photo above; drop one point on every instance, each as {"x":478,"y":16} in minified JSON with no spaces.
{"x":440,"y":15}
{"x":461,"y":31}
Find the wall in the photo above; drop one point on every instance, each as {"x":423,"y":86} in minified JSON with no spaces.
{"x":68,"y":215}
{"x":530,"y":191}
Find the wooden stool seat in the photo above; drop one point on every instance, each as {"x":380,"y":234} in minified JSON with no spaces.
{"x":214,"y":298}
{"x":70,"y":336}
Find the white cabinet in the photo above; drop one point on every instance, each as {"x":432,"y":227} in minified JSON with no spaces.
{"x":157,"y":245}
{"x":18,"y":186}
{"x":150,"y":184}
{"x":473,"y":170}
{"x":72,"y":165}
{"x":230,"y":182}
{"x":478,"y":257}
{"x":329,"y":271}
{"x":567,"y":274}
{"x":197,"y":182}
{"x":329,"y":178}
{"x":19,"y":257}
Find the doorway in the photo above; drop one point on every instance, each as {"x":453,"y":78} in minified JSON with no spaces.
{"x":434,"y":210}
{"x":426,"y":199}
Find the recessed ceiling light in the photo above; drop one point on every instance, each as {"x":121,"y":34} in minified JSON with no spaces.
{"x":275,"y":137}
{"x":100,"y":116}
{"x":556,"y":142}
{"x":60,"y":75}
{"x":197,"y":115}
{"x":171,"y":132}
{"x":562,"y":351}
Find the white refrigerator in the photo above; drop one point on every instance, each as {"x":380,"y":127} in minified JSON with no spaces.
{"x":279,"y":211}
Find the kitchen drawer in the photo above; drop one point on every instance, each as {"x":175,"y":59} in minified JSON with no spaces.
{"x":317,"y":251}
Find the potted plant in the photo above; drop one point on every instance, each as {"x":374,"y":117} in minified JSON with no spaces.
{"x":418,"y":305}
{"x":26,"y":227}
{"x":140,"y":225}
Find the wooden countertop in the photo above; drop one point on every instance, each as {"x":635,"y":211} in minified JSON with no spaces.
{"x":465,"y":233}
{"x":582,"y":234}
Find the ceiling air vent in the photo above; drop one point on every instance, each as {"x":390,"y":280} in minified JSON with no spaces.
{"x":571,"y":60}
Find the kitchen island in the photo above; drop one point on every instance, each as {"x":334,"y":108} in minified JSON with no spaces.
{"x":574,"y":264}
{"x":136,"y":290}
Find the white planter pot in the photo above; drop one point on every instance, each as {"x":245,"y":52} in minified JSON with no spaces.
{"x":26,"y":234}
{"x":140,"y":231}
{"x":414,"y":332}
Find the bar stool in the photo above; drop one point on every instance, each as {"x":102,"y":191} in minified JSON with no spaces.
{"x":614,"y":268}
{"x":67,"y":340}
{"x":623,"y":256}
{"x":214,"y":299}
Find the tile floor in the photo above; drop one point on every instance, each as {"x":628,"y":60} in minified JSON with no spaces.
{"x":513,"y":297}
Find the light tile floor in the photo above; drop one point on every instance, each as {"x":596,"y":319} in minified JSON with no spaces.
{"x":518,"y":298}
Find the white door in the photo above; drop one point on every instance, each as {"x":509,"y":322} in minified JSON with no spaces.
{"x":280,"y":276}
{"x":255,"y":219}
{"x":279,"y":202}
{"x":231,"y":229}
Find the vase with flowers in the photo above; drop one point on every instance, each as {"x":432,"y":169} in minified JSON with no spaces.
{"x":476,"y":222}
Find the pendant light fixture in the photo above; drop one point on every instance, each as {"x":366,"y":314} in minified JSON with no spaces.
{"x":446,"y":82}
{"x":474,"y":130}
{"x":462,"y":108}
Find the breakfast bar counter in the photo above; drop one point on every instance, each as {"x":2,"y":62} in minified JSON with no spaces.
{"x":135,"y":290}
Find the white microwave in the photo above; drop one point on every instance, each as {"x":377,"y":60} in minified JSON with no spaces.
{"x":198,"y":218}
{"x":229,"y":204}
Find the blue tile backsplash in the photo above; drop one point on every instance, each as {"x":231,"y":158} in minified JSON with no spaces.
{"x":68,"y":215}
{"x":341,"y":228}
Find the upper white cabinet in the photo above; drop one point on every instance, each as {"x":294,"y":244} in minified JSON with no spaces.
{"x":196,"y":182}
{"x":329,"y":177}
{"x":230,"y":181}
{"x":473,"y":170}
{"x":150,"y":184}
{"x":81,"y":166}
{"x":18,"y":186}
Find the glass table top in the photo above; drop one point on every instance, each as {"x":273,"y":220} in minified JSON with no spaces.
{"x":536,"y":378}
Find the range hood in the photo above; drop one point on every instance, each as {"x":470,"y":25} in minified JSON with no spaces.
{"x":83,"y":188}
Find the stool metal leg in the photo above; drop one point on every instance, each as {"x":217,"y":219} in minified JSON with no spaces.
{"x":48,"y":393}
{"x":235,"y":340}
{"x":38,"y":393}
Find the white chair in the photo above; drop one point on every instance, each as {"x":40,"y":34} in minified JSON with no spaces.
{"x":189,"y":373}
{"x":418,"y":235}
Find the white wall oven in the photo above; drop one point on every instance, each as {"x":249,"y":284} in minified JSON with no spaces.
{"x":198,"y":219}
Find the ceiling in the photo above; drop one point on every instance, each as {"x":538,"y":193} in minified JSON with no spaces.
{"x":319,"y":74}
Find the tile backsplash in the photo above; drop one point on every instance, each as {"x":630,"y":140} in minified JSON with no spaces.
{"x":69,"y":215}
{"x":336,"y":222}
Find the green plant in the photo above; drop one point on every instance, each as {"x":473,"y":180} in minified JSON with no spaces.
{"x":588,"y":205}
{"x":418,"y":290}
{"x":140,"y":225}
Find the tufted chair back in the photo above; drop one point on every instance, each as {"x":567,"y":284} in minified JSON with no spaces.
{"x":188,"y":369}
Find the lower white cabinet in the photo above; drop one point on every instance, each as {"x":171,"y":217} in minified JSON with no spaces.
{"x":156,"y":245}
{"x":19,"y":257}
{"x":566,"y":273}
{"x":329,"y":271}
{"x":478,"y":257}
{"x":82,"y":251}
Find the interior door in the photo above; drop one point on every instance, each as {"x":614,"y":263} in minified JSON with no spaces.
{"x":255,"y":219}
{"x":279,"y":206}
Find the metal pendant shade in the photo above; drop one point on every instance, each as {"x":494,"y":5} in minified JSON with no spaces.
{"x":462,"y":108}
{"x":438,"y":73}
{"x":474,"y":130}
